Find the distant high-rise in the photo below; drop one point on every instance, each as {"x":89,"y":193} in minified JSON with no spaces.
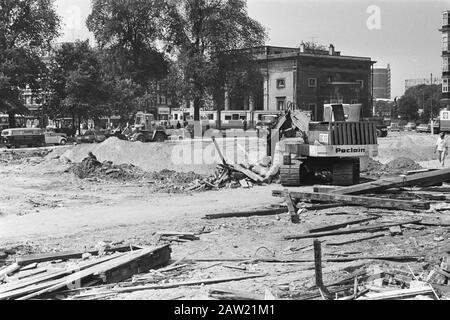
{"x":445,"y":102}
{"x":382,"y":83}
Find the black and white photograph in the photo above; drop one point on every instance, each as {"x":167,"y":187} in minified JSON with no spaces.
{"x":226,"y":156}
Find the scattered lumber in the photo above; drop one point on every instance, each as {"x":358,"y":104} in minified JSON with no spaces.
{"x":361,"y":201}
{"x":253,"y":176}
{"x":369,"y":228}
{"x":291,"y":207}
{"x":184,"y":284}
{"x":68,"y":255}
{"x":419,"y":179}
{"x":9,"y":270}
{"x":397,"y":294}
{"x":318,"y":270}
{"x":114,"y":270}
{"x":258,"y":212}
{"x":342,"y":224}
{"x":355,"y":240}
{"x":222,"y":294}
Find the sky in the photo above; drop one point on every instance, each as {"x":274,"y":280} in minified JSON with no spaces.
{"x":403,"y":33}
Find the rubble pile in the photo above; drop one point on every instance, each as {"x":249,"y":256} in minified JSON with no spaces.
{"x":18,"y":157}
{"x":90,"y":167}
{"x":234,"y":176}
{"x":396,"y":166}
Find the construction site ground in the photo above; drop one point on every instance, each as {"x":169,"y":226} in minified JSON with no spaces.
{"x":45,"y":209}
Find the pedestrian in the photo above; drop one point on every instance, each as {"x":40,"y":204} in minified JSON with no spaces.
{"x":244,"y":123}
{"x":441,"y":148}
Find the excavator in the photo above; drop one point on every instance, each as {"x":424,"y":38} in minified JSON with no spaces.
{"x":332,"y":147}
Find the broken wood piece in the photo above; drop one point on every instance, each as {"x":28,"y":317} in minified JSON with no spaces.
{"x":395,"y":230}
{"x":9,"y":270}
{"x":342,"y":224}
{"x":369,"y":228}
{"x":379,"y":235}
{"x":115,"y":270}
{"x":318,"y":270}
{"x":250,"y":174}
{"x":397,"y":294}
{"x":367,"y":202}
{"x":256,"y":212}
{"x":227,"y":294}
{"x":291,"y":207}
{"x":68,"y":255}
{"x":235,"y":267}
{"x":187,"y":283}
{"x":427,"y":178}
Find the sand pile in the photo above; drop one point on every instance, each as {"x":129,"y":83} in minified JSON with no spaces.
{"x":414,"y":146}
{"x":402,"y":164}
{"x":394,"y":167}
{"x":184,"y":156}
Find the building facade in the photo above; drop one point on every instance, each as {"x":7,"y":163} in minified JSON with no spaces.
{"x":445,"y":102}
{"x":306,"y":79}
{"x":382,"y":83}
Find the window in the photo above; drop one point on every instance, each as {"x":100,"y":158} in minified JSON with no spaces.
{"x":235,"y":116}
{"x":312,"y":82}
{"x":444,"y":42}
{"x":281,"y":103}
{"x":163,"y":99}
{"x":175,"y":116}
{"x":445,"y":22}
{"x":445,"y":65}
{"x":361,"y":83}
{"x":445,"y":115}
{"x":227,"y":117}
{"x":445,"y":85}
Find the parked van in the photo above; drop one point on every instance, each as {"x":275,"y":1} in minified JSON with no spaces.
{"x":30,"y":137}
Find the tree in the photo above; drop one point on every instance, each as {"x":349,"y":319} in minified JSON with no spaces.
{"x":127,"y":31}
{"x":408,"y":108}
{"x":76,"y":84}
{"x":204,"y":33}
{"x":427,"y":97}
{"x":26,"y":29}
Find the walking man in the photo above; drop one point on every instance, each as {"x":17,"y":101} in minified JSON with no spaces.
{"x":441,"y":148}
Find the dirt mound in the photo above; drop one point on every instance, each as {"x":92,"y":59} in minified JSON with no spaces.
{"x":19,"y":156}
{"x":162,"y":181}
{"x":370,"y":165}
{"x":414,"y":146}
{"x":402,"y":163}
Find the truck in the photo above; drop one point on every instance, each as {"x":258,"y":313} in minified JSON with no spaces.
{"x":334,"y":146}
{"x":145,"y":129}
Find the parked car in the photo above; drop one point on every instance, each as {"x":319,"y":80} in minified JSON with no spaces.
{"x":395,"y":127}
{"x":17,"y":137}
{"x":91,"y":137}
{"x":424,"y":127}
{"x":55,"y":138}
{"x":410,"y":126}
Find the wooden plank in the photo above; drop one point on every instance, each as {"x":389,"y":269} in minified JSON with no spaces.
{"x":219,"y":151}
{"x":340,"y":243}
{"x":397,"y":294}
{"x":9,"y":270}
{"x":437,"y":176}
{"x":250,"y":174}
{"x":226,"y":294}
{"x":37,"y":283}
{"x":110,"y":267}
{"x":341,"y":225}
{"x":67,"y":255}
{"x":369,"y":228}
{"x":367,"y":202}
{"x":291,"y":207}
{"x":256,"y":212}
{"x":184,"y":284}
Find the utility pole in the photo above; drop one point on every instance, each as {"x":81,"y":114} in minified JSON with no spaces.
{"x":431,"y":106}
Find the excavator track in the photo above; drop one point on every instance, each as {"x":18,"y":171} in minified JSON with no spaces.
{"x":290,"y":174}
